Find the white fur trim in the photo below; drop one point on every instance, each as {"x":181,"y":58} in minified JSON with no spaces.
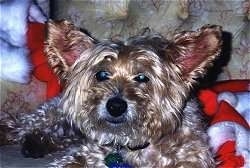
{"x":13,"y":28}
{"x":229,"y":97}
{"x":35,"y":14}
{"x":246,"y":155}
{"x":13,"y":20}
{"x":14,"y":64}
{"x":221,"y":132}
{"x":239,"y":100}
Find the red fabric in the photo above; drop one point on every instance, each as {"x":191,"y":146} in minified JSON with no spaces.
{"x":37,"y":57}
{"x":54,"y":87}
{"x":42,"y":71}
{"x":232,"y":86}
{"x":209,"y":99}
{"x":226,"y":156}
{"x":227,"y":113}
{"x":209,"y":96}
{"x":221,"y":112}
{"x":36,"y":33}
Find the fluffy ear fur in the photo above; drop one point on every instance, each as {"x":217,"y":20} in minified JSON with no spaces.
{"x":64,"y":45}
{"x":194,"y":52}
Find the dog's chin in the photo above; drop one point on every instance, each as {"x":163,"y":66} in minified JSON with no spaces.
{"x":111,"y":121}
{"x":115,"y":121}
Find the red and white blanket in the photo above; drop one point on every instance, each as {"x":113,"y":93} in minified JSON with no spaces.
{"x":228,"y":105}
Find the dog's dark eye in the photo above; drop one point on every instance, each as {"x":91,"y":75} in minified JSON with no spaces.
{"x":102,"y":75}
{"x":141,"y":78}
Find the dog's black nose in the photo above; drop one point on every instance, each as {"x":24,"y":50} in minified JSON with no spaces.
{"x":116,"y":106}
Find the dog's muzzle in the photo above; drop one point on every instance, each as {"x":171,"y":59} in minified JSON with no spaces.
{"x":116,"y":106}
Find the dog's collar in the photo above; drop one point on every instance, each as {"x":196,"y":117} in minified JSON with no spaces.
{"x":138,"y":147}
{"x":115,"y":159}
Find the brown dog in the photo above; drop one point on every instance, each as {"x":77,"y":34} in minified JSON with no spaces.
{"x":132,"y":99}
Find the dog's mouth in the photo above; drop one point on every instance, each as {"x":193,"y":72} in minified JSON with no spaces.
{"x":115,"y":121}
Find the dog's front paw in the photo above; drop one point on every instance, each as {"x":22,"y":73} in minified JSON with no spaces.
{"x":37,"y":144}
{"x":69,"y":161}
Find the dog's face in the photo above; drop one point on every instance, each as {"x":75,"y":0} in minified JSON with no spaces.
{"x":128,"y":92}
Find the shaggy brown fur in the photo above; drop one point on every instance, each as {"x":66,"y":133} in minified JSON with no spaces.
{"x":159,"y":111}
{"x":125,"y":95}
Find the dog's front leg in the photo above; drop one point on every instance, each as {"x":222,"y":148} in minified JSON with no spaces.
{"x":36,"y":130}
{"x":43,"y":131}
{"x":88,"y":155}
{"x":69,"y":161}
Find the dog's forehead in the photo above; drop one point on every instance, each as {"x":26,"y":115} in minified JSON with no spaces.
{"x":147,"y":47}
{"x":131,"y":54}
{"x":127,"y":59}
{"x":137,"y":51}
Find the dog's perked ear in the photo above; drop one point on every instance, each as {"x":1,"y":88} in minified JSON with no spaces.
{"x":64,"y":45}
{"x":194,"y":52}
